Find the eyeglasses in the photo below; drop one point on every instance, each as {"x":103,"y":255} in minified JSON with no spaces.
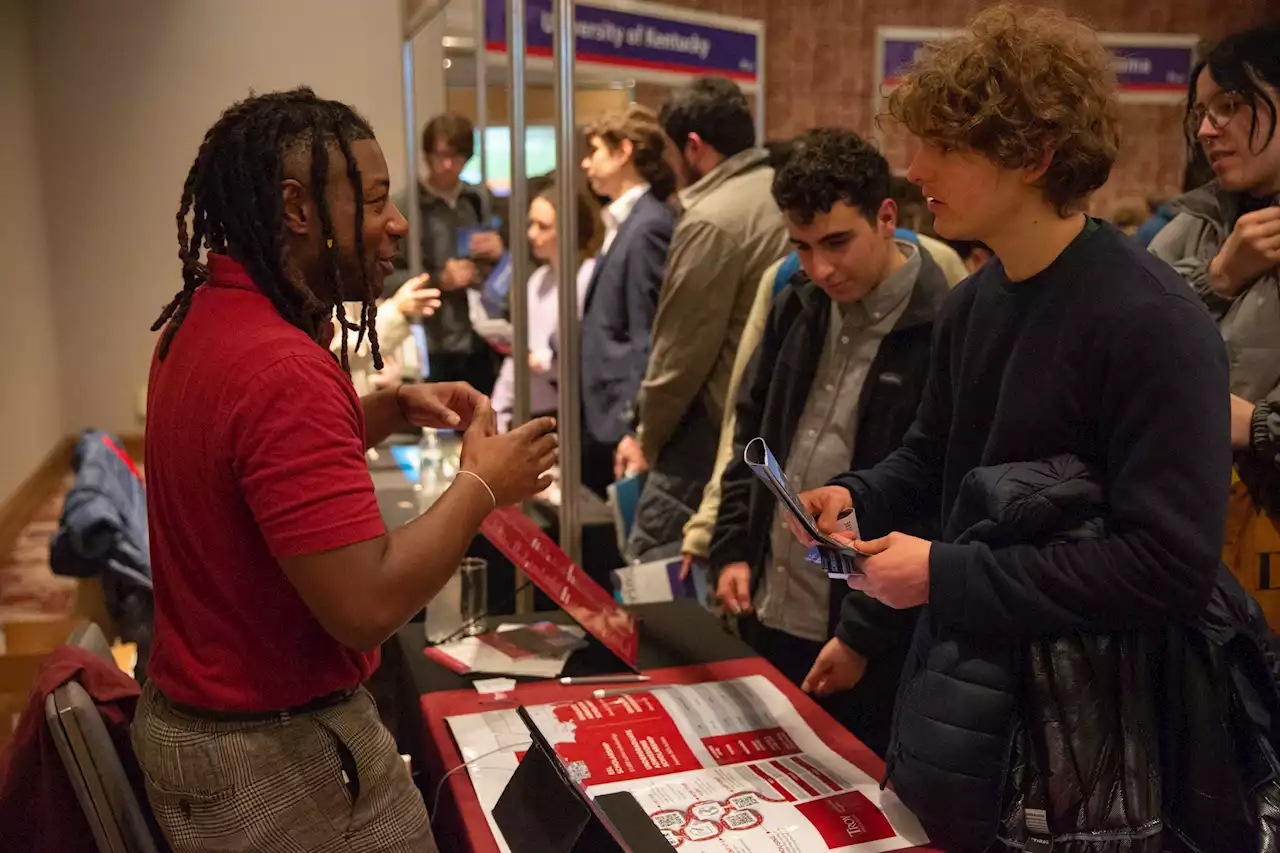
{"x":1220,"y":110}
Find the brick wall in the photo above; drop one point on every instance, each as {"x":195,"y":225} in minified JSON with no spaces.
{"x":819,"y":67}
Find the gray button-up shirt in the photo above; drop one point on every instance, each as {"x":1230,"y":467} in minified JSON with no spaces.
{"x":793,"y":593}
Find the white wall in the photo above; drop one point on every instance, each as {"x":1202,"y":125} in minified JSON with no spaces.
{"x":126,"y":90}
{"x":32,"y":422}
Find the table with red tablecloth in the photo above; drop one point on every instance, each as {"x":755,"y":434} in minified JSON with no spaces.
{"x":669,"y":632}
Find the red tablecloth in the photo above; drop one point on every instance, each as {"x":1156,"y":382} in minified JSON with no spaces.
{"x":459,"y":821}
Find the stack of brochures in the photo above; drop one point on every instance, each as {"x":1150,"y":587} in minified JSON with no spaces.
{"x":538,"y":651}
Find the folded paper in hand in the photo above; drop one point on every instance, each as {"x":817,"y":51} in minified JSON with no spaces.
{"x":835,"y":556}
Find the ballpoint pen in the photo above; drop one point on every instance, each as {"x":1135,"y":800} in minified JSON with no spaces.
{"x":622,"y":691}
{"x":620,"y":678}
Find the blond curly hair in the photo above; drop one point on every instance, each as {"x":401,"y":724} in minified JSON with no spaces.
{"x":1017,"y":84}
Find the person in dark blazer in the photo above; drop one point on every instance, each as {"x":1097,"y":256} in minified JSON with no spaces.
{"x":624,"y":163}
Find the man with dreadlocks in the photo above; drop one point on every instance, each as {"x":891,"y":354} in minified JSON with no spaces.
{"x":275,"y":579}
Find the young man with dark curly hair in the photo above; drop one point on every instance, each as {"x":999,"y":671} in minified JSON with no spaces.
{"x":834,"y":383}
{"x":1071,"y":343}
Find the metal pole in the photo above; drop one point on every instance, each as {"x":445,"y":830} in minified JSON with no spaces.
{"x":760,"y":87}
{"x":411,"y":210}
{"x":482,"y":92}
{"x":570,"y":415}
{"x":518,"y":217}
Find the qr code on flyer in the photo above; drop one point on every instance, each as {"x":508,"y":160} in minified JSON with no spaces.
{"x":578,"y":771}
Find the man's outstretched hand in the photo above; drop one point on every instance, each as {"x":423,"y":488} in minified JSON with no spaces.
{"x":439,"y":405}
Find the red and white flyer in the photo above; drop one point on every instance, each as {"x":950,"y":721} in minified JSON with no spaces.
{"x":720,"y":767}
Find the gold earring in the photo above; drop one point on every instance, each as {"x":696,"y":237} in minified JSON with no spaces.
{"x":330,"y":243}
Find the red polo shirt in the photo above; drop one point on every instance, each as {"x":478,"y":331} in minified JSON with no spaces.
{"x":255,"y":451}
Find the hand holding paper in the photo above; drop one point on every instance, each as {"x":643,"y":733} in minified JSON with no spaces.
{"x":485,"y":245}
{"x":897,"y":570}
{"x":835,"y":507}
{"x":827,"y":505}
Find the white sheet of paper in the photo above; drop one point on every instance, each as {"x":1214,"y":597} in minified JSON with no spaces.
{"x":488,"y":686}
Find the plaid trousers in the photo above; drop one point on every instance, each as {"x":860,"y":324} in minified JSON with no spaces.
{"x":280,"y":786}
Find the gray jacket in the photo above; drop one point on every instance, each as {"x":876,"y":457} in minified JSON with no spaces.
{"x":449,"y":329}
{"x":731,"y":231}
{"x":1250,"y":322}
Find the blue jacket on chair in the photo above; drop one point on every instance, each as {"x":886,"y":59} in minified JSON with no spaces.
{"x":622,"y":299}
{"x":103,"y":533}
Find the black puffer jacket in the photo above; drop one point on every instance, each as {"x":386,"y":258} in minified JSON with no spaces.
{"x":1260,"y":467}
{"x":1136,"y":742}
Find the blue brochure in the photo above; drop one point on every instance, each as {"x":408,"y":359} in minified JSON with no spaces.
{"x":465,"y":232}
{"x":837,"y":558}
{"x":624,"y":497}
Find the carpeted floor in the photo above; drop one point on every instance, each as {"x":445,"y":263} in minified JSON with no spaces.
{"x":28,"y":588}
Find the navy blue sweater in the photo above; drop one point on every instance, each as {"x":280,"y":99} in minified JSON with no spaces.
{"x":1105,"y":354}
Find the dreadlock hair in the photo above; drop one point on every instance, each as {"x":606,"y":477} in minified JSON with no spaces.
{"x":232,"y":194}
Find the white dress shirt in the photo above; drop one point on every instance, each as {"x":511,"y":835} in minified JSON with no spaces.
{"x":544,"y":319}
{"x":617,"y":212}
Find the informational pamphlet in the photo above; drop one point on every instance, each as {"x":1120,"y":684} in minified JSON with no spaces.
{"x":719,"y":766}
{"x":658,"y":581}
{"x":539,"y":650}
{"x":837,"y":558}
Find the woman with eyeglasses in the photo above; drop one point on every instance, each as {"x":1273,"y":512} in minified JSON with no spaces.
{"x":1225,"y":241}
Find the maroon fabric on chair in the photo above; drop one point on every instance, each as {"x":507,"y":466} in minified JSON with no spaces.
{"x":38,"y":807}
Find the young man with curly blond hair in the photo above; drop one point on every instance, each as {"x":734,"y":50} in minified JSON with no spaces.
{"x":1071,"y":343}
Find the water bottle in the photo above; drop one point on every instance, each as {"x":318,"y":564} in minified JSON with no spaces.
{"x":429,"y":458}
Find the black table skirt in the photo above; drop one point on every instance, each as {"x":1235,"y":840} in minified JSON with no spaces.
{"x":679,"y":633}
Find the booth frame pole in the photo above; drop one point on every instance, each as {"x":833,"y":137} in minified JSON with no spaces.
{"x":570,"y":366}
{"x":482,"y":93}
{"x":411,"y":159}
{"x":760,"y":125}
{"x":518,"y":218}
{"x":519,"y":207}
